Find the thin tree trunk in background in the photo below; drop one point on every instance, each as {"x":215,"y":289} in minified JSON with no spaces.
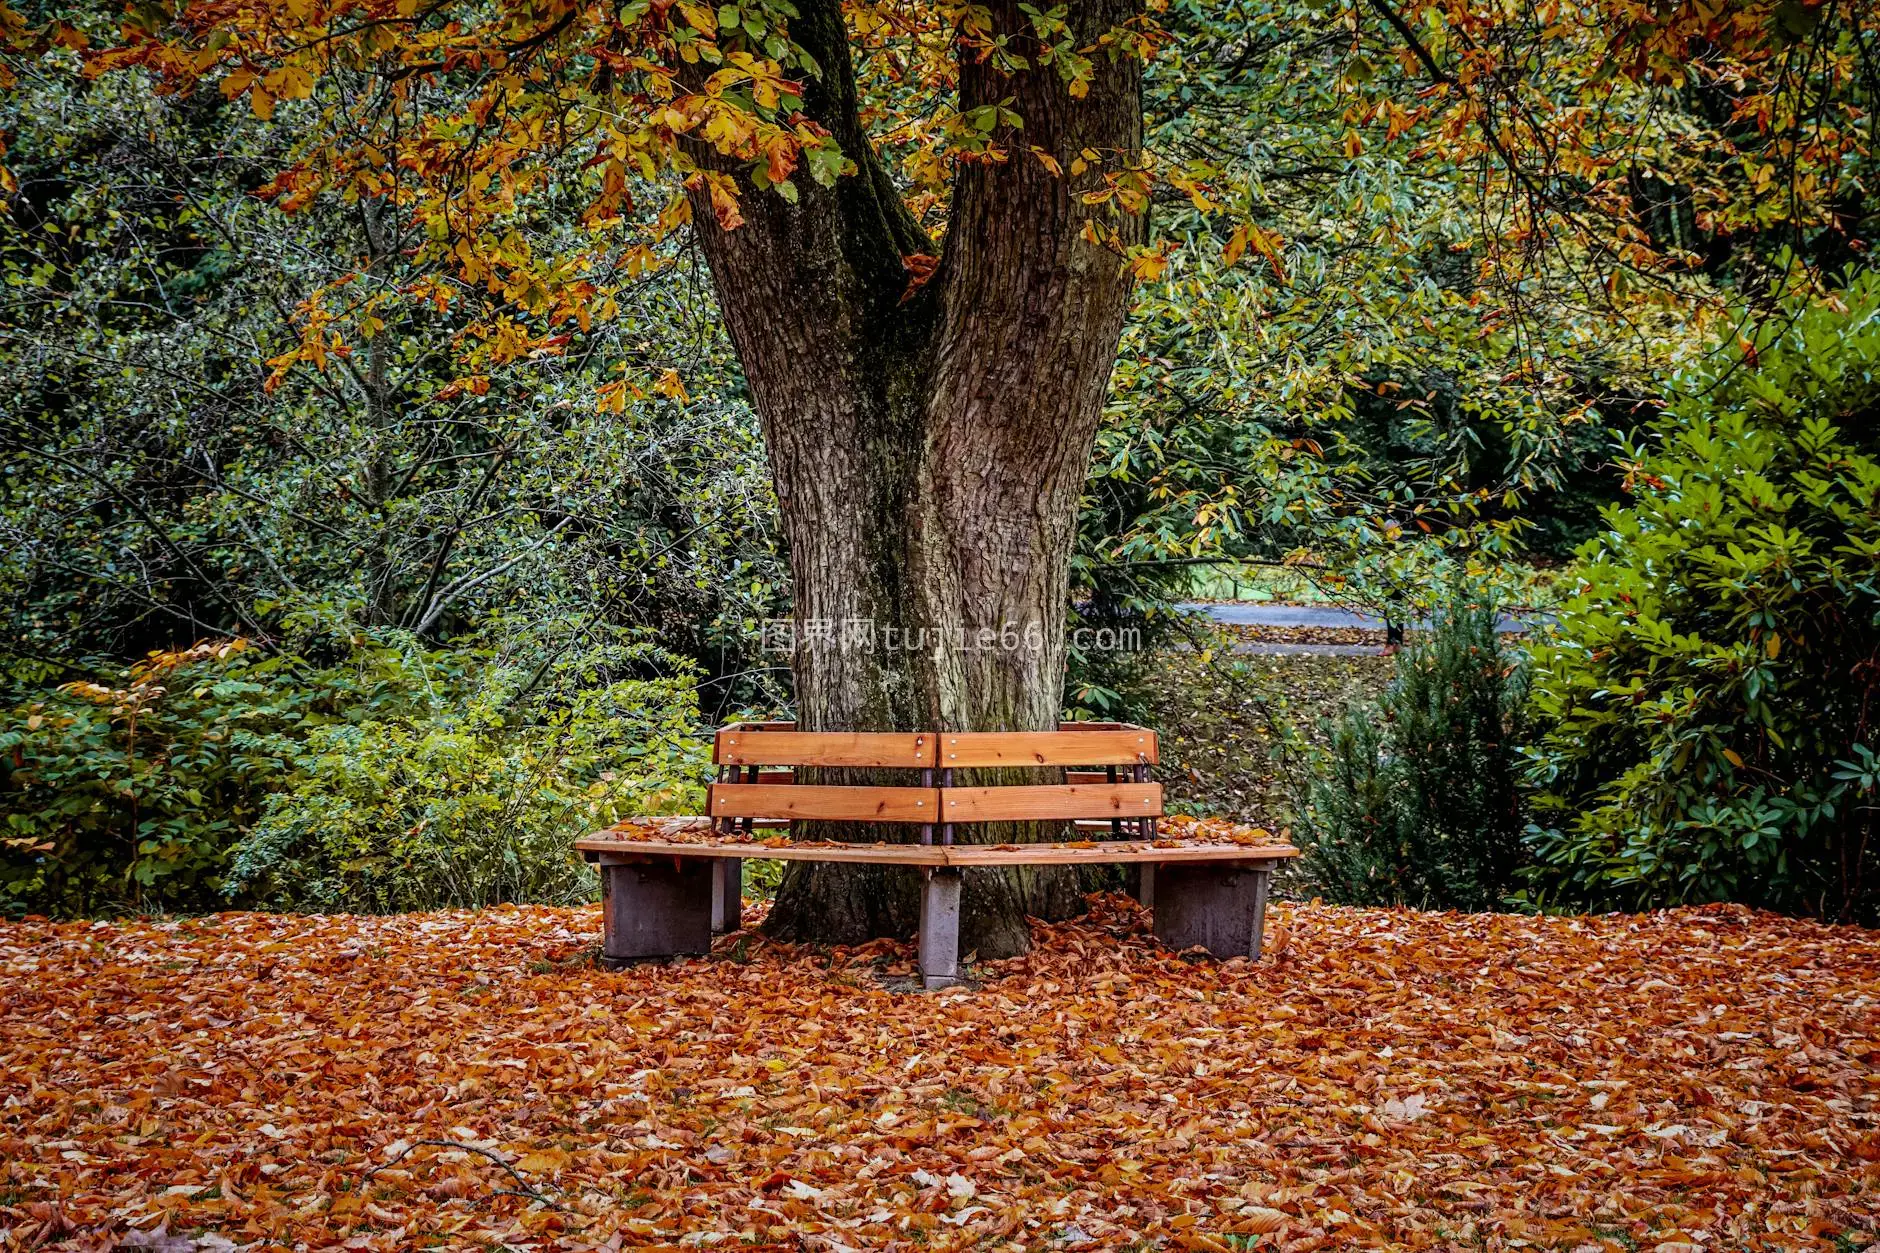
{"x":929,"y":451}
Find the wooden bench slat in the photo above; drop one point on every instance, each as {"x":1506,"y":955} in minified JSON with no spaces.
{"x":783,"y":774}
{"x":1105,"y":852}
{"x":1091,"y":826}
{"x":1046,"y":748}
{"x":600,"y":847}
{"x":1074,"y":744}
{"x":1065,"y":800}
{"x":804,"y":800}
{"x":1062,"y":726}
{"x":735,"y":746}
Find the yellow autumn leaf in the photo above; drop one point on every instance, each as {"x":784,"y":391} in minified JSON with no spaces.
{"x":670,"y":385}
{"x":700,"y":18}
{"x":1236,"y":245}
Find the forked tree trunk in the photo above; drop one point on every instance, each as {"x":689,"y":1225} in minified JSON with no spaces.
{"x":929,"y":450}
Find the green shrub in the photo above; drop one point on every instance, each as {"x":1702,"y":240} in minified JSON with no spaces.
{"x":1709,"y":699}
{"x":125,"y":795}
{"x":475,"y":801}
{"x":396,"y":778}
{"x":1416,"y":801}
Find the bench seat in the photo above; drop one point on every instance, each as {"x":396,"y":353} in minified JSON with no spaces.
{"x":668,"y":884}
{"x":615,"y":842}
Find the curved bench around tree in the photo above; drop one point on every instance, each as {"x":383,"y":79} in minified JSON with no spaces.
{"x":669,"y":883}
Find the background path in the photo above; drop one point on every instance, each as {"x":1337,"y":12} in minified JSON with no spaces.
{"x":1275,"y":614}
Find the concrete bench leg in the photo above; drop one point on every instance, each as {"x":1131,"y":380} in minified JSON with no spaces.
{"x":940,"y":929}
{"x":1220,"y":907}
{"x":660,"y":908}
{"x":727,"y":894}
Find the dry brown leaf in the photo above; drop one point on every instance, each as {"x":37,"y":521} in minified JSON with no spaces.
{"x":1699,"y":1078}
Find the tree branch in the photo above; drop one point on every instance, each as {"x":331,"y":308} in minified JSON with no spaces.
{"x":469,"y":583}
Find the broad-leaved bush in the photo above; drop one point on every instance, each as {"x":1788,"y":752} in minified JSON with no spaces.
{"x":386,"y":776}
{"x":124,"y":793}
{"x":1709,"y":700}
{"x":472,"y":804}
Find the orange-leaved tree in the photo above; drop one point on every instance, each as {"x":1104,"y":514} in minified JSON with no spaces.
{"x":929,"y":408}
{"x":928,"y":343}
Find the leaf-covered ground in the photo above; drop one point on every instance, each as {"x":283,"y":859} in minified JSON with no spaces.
{"x":1698,"y":1080}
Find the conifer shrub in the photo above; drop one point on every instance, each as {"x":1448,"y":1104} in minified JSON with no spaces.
{"x":1416,"y":800}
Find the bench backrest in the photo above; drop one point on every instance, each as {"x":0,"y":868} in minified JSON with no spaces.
{"x":757,"y":766}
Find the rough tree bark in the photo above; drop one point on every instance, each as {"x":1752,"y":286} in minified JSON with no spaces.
{"x":929,"y":451}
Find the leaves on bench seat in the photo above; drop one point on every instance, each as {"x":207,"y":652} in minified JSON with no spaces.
{"x":1175,"y":831}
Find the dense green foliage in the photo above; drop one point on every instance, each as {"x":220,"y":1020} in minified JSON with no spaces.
{"x":1329,"y":370}
{"x":396,"y":548}
{"x":127,"y":796}
{"x":395,"y":777}
{"x":1416,"y":800}
{"x":166,"y":482}
{"x":1711,"y":695}
{"x":473,"y":801}
{"x":433,"y":521}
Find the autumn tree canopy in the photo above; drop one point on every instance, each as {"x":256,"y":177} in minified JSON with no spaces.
{"x":924,"y":223}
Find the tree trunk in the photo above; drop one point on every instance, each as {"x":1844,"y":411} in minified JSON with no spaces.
{"x":929,"y":450}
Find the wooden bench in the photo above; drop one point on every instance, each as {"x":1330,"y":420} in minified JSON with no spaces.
{"x":668,"y":884}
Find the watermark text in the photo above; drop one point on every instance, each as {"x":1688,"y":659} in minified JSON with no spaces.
{"x":789,"y":635}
